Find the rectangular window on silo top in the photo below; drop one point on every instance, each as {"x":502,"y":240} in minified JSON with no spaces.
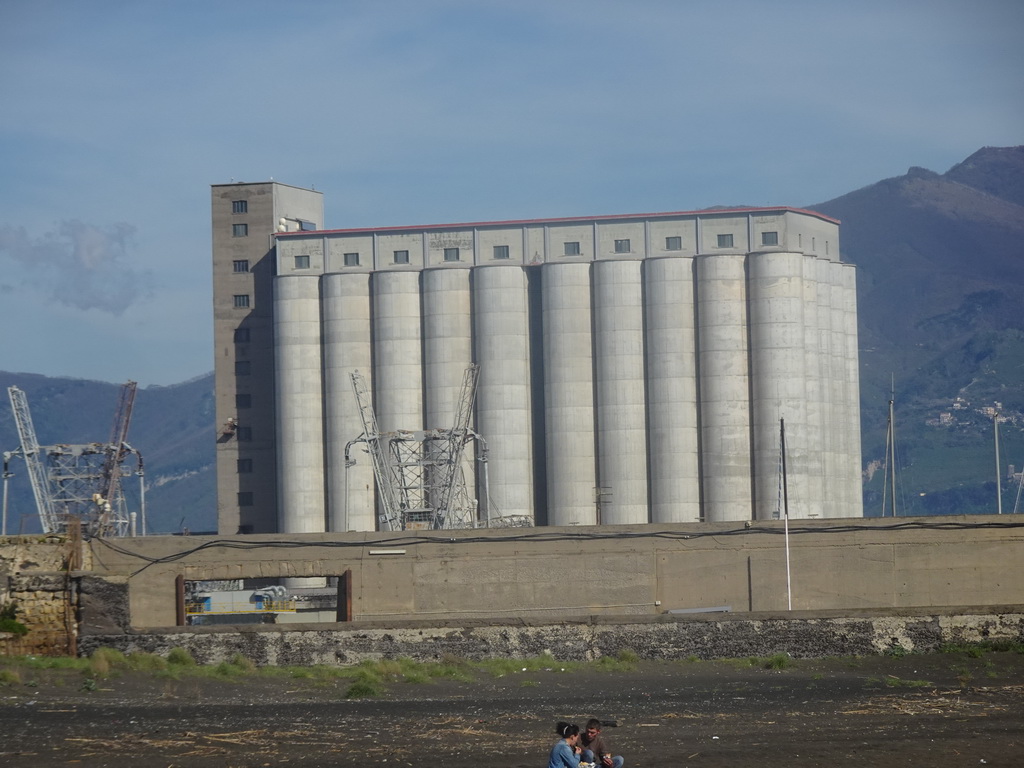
{"x":451,"y":254}
{"x":302,"y":262}
{"x":401,"y":257}
{"x":769,"y":238}
{"x":571,"y":248}
{"x":501,"y":251}
{"x":674,"y":243}
{"x":351,"y":259}
{"x":725,"y":241}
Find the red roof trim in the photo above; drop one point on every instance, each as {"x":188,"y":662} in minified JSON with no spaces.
{"x":571,"y":219}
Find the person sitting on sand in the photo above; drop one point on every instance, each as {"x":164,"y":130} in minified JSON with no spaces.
{"x":566,"y":752}
{"x":594,"y":749}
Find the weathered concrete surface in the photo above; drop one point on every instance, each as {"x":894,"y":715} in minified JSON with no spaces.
{"x":544,"y":577}
{"x":549,"y":574}
{"x":801,"y":635}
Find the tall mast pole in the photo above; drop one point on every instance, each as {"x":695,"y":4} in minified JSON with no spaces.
{"x":785,"y":508}
{"x":892,"y":442}
{"x":999,"y":488}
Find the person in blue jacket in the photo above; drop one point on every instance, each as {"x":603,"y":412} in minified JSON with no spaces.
{"x":566,"y":752}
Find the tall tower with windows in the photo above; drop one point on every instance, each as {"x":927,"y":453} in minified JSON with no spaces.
{"x":245,"y":218}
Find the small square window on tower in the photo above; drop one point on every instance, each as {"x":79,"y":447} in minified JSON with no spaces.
{"x":239,"y":206}
{"x":241,"y":335}
{"x":239,"y":230}
{"x":240,"y":265}
{"x":451,"y":254}
{"x":622,"y":246}
{"x":571,"y":248}
{"x":401,"y":257}
{"x":302,"y":261}
{"x":769,"y":238}
{"x":241,"y":300}
{"x":725,"y":241}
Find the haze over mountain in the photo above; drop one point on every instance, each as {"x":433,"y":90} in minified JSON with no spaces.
{"x":940,"y":262}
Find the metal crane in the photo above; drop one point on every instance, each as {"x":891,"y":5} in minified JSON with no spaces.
{"x":116,"y":450}
{"x":82,"y":481}
{"x":419,"y":473}
{"x":31,"y":453}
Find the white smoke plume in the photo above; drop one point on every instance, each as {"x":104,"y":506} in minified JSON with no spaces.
{"x":79,"y":265}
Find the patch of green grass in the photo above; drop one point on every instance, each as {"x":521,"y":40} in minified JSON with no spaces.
{"x":963,"y":675}
{"x":227,"y":671}
{"x":977,"y":650}
{"x":624,"y":661}
{"x":529,"y":684}
{"x":366,"y":682}
{"x":46,"y":662}
{"x":243,"y":662}
{"x":451,"y":668}
{"x":778,"y":661}
{"x":503,"y":667}
{"x":104,"y":661}
{"x":9,"y":621}
{"x":974,"y":651}
{"x":180,"y":657}
{"x":1005,"y":646}
{"x":146,"y":662}
{"x":89,"y":684}
{"x":10,"y":677}
{"x":361,"y":689}
{"x":898,"y":682}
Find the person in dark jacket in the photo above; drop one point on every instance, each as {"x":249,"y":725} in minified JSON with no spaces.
{"x":595,"y":750}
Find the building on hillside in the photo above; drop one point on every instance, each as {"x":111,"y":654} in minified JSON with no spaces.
{"x":632,"y":368}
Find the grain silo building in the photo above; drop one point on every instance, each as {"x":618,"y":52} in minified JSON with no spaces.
{"x":632,"y":368}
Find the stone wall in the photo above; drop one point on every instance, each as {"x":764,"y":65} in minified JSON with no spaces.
{"x":705,"y":636}
{"x":39,"y":576}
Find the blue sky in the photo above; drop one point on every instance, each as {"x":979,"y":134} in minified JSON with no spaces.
{"x":117,"y":115}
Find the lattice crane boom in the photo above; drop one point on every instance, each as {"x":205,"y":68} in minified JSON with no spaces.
{"x":118,"y":448}
{"x":389,"y":509}
{"x":31,"y":453}
{"x":448,"y":448}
